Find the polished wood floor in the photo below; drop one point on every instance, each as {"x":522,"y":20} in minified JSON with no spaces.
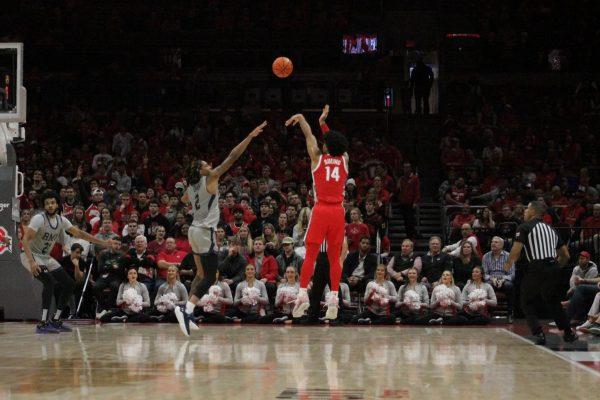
{"x":129,"y":361}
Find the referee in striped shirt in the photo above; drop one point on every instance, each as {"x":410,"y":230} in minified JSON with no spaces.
{"x":545,"y":251}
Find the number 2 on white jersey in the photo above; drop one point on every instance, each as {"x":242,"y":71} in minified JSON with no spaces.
{"x":332,"y":173}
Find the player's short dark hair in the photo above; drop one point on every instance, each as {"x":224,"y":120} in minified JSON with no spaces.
{"x":336,"y":143}
{"x":192,"y":172}
{"x":49,"y":194}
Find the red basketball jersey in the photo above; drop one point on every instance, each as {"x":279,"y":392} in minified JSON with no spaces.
{"x":329,"y":179}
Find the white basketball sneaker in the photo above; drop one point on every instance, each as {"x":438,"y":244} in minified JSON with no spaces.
{"x":332,"y":302}
{"x":301,"y":304}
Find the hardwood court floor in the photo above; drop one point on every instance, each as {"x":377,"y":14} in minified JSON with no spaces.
{"x":129,"y":361}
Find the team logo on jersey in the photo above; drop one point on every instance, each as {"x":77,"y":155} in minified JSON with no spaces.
{"x":5,"y":241}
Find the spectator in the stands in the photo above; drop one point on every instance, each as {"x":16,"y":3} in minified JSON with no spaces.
{"x":507,"y":223}
{"x":221,"y":244}
{"x":580,"y":302}
{"x":106,"y":230}
{"x":591,"y":224}
{"x":484,"y":227}
{"x":454,"y":156}
{"x":233,"y":227}
{"x":409,"y":193}
{"x":399,"y":265}
{"x":183,"y":243}
{"x":464,"y":217}
{"x":266,"y":267}
{"x":356,"y":230}
{"x":144,"y":263}
{"x":477,"y":309}
{"x":153,"y":220}
{"x":121,"y":215}
{"x":264,"y":217}
{"x":351,"y":189}
{"x":493,"y":267}
{"x":134,"y":217}
{"x":232,"y":269}
{"x":159,"y":244}
{"x":359,"y":266}
{"x":301,"y":226}
{"x":380,"y":297}
{"x":458,"y":194}
{"x":166,"y":259}
{"x":584,"y":270}
{"x":120,"y":176}
{"x":572,"y":213}
{"x":467,"y":236}
{"x":463,"y":264}
{"x":246,"y":241}
{"x":283,"y":229}
{"x":271,"y":241}
{"x":558,"y":200}
{"x":132,"y":233}
{"x":288,"y":257}
{"x":434,"y":262}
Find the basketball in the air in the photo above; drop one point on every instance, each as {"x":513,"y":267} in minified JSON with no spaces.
{"x":282,"y":67}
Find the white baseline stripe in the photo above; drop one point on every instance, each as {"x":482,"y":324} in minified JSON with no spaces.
{"x":554,"y":353}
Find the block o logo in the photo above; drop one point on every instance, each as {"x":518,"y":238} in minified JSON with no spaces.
{"x":5,"y":241}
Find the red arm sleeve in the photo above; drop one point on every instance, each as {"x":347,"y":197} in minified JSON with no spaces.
{"x":324,"y":128}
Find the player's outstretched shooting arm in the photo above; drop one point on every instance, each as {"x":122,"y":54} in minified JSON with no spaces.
{"x":311,"y":141}
{"x":236,"y":153}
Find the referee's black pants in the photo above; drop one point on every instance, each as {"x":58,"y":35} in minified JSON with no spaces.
{"x":321,"y":279}
{"x":541,"y":280}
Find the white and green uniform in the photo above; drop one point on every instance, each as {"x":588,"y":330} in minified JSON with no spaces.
{"x":48,"y":231}
{"x":205,"y":209}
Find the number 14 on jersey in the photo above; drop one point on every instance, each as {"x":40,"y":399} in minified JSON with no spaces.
{"x":332,"y":173}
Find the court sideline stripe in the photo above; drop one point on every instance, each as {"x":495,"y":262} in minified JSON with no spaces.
{"x":554,"y":353}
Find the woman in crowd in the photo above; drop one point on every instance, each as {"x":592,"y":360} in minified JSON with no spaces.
{"x":245,"y":240}
{"x":478,"y":297}
{"x":214,"y":312}
{"x":412,"y":306}
{"x":164,"y":307}
{"x":484,"y":227}
{"x":78,"y":219}
{"x":301,"y":226}
{"x":272,"y":245}
{"x":446,"y":302}
{"x":97,"y":222}
{"x":283,"y":230}
{"x":464,"y":263}
{"x":250,"y":299}
{"x":284,"y":299}
{"x":380,"y":297}
{"x":133,"y":311}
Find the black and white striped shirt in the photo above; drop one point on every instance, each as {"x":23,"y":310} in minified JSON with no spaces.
{"x":539,"y":239}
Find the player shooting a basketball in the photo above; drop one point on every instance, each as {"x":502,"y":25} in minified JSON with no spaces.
{"x":203,"y":194}
{"x":329,"y":167}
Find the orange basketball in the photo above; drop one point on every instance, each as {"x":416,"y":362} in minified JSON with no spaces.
{"x":282,"y":67}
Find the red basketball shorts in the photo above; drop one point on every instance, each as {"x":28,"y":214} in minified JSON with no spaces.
{"x":326,"y":222}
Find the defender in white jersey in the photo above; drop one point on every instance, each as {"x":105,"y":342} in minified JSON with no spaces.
{"x":40,"y":236}
{"x":202,"y":193}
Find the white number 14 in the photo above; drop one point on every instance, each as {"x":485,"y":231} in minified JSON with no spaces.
{"x":335,"y":173}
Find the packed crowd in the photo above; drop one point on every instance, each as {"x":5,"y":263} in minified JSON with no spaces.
{"x":124,"y":187}
{"x":504,"y":146}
